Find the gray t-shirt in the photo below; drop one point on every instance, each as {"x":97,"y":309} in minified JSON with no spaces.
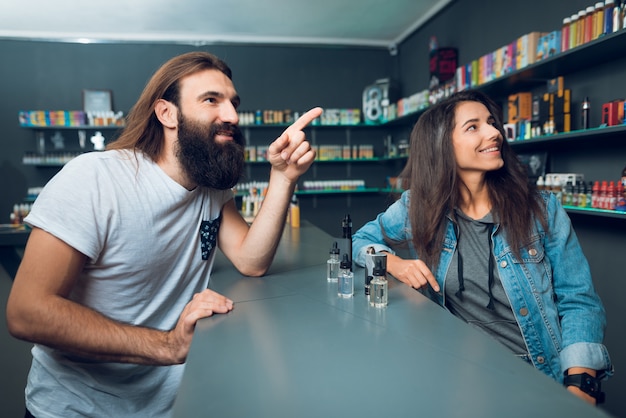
{"x":146,"y":259}
{"x":471,"y":304}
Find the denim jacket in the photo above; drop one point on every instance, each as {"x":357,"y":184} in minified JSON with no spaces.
{"x":549,"y":288}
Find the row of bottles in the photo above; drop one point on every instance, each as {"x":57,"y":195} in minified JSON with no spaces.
{"x":376,"y":285}
{"x":20,"y":211}
{"x":599,"y":194}
{"x":592,"y":22}
{"x":251,"y":204}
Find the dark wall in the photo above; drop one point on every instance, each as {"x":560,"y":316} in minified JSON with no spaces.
{"x":479,"y":28}
{"x":42,"y":75}
{"x":51,"y":76}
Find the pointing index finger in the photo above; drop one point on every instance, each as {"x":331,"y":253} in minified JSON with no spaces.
{"x":305,"y":119}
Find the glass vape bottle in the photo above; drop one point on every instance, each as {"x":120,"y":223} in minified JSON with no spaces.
{"x":332,"y":265}
{"x":345,"y":284}
{"x":369,"y":266}
{"x":379,"y":289}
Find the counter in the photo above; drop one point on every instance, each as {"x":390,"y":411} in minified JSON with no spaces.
{"x":292,"y":348}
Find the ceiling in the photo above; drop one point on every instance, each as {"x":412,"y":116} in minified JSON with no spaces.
{"x":305,"y":22}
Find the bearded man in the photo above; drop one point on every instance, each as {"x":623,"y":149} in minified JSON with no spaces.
{"x":115,"y":272}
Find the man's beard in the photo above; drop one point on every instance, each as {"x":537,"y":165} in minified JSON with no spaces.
{"x":205,"y":161}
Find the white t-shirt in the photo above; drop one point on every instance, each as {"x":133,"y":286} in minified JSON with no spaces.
{"x":141,"y":231}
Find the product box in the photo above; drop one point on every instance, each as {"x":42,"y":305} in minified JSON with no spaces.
{"x":520,"y":107}
{"x":442,"y":65}
{"x":487,"y":68}
{"x":556,"y":85}
{"x":563,"y":102}
{"x":549,"y":45}
{"x":497,"y":63}
{"x":553,"y":104}
{"x":461,"y":78}
{"x":611,"y":113}
{"x":481,"y":69}
{"x":527,"y":49}
{"x":474,"y":72}
{"x":510,"y":131}
{"x":51,"y":117}
{"x":556,"y":109}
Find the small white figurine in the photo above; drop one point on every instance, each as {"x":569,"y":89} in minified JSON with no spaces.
{"x":98,"y":141}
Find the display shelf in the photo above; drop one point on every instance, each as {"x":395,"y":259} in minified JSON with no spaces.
{"x":607,"y":132}
{"x":599,"y":51}
{"x":595,"y":212}
{"x":347,"y":160}
{"x":73,"y":128}
{"x":333,"y":191}
{"x":310,"y":126}
{"x":329,"y":191}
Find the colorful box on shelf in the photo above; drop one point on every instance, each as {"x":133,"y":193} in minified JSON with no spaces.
{"x":51,"y":117}
{"x":340,"y":117}
{"x":549,"y":45}
{"x":526,"y":52}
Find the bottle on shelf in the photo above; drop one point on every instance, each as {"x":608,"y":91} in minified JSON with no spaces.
{"x":567,"y":194}
{"x":611,"y":196}
{"x":574,"y":193}
{"x":582,"y":195}
{"x":602,"y":197}
{"x":589,"y":24}
{"x":589,"y":200}
{"x":598,"y":21}
{"x":608,"y":16}
{"x":620,"y":201}
{"x":572,"y":30}
{"x":595,"y":195}
{"x":565,"y":32}
{"x":617,"y":16}
{"x":540,"y":183}
{"x":294,"y":212}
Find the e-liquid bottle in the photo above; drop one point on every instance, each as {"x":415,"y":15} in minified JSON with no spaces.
{"x":345,"y":284}
{"x":294,"y":212}
{"x":332,"y":265}
{"x":369,"y":267}
{"x":379,"y":289}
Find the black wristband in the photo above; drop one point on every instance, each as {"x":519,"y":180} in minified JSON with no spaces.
{"x":587,"y":383}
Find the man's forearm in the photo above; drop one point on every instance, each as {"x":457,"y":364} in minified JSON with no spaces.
{"x":67,"y":326}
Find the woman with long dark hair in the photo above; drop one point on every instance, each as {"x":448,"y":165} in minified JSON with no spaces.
{"x":485,"y":244}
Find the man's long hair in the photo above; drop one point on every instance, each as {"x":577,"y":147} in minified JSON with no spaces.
{"x":143,"y":129}
{"x":431,"y":174}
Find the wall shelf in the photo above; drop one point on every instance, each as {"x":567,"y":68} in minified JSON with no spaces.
{"x":578,"y":136}
{"x":73,"y":128}
{"x":595,"y":212}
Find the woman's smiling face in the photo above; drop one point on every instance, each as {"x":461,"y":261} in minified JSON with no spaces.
{"x":475,"y":139}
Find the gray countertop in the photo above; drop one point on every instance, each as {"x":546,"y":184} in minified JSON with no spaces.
{"x":292,"y":348}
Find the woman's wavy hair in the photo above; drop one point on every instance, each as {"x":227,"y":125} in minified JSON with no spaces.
{"x":431,"y":176}
{"x":143,"y":130}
